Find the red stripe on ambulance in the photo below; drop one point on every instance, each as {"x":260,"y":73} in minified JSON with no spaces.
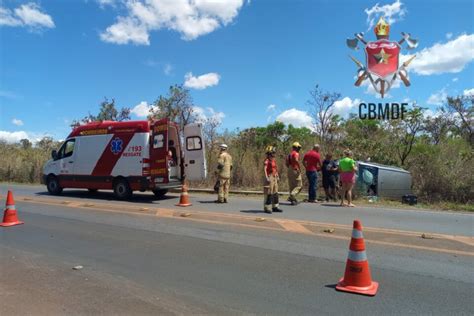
{"x":111,"y":154}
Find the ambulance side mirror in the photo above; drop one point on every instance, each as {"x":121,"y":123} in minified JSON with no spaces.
{"x":54,"y":154}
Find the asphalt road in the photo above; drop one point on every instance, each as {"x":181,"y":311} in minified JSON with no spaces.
{"x":404,"y":219}
{"x":137,"y":264}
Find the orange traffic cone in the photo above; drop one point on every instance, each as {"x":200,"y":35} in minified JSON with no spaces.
{"x":9,"y":216}
{"x":184,"y":198}
{"x":357,"y":277}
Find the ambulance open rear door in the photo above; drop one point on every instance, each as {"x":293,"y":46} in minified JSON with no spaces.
{"x":194,"y":153}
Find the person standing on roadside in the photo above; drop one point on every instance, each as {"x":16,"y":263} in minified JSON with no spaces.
{"x":312,"y":163}
{"x":270,"y":187}
{"x":347,"y":170}
{"x":224,"y":169}
{"x":330,"y":171}
{"x":295,"y":182}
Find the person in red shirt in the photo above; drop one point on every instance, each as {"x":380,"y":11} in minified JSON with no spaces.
{"x":312,"y":163}
{"x":295,"y":181}
{"x":270,"y":186}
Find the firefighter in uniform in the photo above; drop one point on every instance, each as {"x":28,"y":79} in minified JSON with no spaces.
{"x":295,"y":181}
{"x":270,"y":187}
{"x":224,"y":169}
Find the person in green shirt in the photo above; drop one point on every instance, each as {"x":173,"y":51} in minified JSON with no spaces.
{"x":347,"y":170}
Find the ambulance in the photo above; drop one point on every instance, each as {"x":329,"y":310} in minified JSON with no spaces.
{"x":127,"y":156}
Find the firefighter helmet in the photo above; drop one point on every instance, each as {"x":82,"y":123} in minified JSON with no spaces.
{"x":270,"y":150}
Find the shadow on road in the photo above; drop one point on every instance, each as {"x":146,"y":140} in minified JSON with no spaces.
{"x":331,"y":205}
{"x":252,"y":211}
{"x":108,"y":196}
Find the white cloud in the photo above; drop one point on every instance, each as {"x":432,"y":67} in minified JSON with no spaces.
{"x":271,"y":107}
{"x":190,"y":18}
{"x":438,"y":98}
{"x":428,"y":113}
{"x":455,"y":79}
{"x":469,"y":92}
{"x":391,"y":12}
{"x":142,"y":109}
{"x":201,"y":82}
{"x":168,"y":69}
{"x":8,"y":94}
{"x":449,"y":35}
{"x":13,"y":137}
{"x":29,"y":15}
{"x":17,"y":122}
{"x":208,"y":114}
{"x":449,"y":57}
{"x":7,"y":18}
{"x":345,"y":106}
{"x":126,"y":30}
{"x":104,"y":3}
{"x":296,"y":118}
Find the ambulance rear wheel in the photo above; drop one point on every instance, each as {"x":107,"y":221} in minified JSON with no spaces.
{"x":122,"y":189}
{"x":52,"y":183}
{"x":160,"y":193}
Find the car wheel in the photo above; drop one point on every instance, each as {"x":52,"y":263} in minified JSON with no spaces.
{"x":122,"y":189}
{"x":160,"y":193}
{"x":53,"y":185}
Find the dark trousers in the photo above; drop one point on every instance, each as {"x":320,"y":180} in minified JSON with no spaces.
{"x":313,"y":183}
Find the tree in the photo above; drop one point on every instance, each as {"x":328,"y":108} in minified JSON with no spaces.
{"x":462,"y":108}
{"x":438,"y":126}
{"x":403,"y":133}
{"x":107,"y":112}
{"x":25,"y":143}
{"x":47,"y":144}
{"x":178,"y":106}
{"x":367,"y":139}
{"x":321,"y":105}
{"x":210,"y":125}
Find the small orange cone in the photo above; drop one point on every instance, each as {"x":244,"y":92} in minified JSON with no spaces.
{"x":9,"y":216}
{"x":357,"y":277}
{"x":184,"y":198}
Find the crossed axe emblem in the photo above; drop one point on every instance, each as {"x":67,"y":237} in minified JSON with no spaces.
{"x":381,"y":85}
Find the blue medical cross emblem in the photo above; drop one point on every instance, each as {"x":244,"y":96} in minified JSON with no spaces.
{"x":116,"y":146}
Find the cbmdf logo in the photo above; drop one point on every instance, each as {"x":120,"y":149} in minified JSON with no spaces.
{"x":382,"y":58}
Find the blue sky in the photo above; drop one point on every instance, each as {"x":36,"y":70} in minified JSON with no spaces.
{"x":246,"y":62}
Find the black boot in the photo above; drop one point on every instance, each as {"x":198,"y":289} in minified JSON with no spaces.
{"x":276,"y":203}
{"x":268,"y":204}
{"x":294,"y":201}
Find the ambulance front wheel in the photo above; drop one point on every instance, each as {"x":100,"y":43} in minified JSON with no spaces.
{"x":52,"y":183}
{"x":160,"y":193}
{"x":122,"y":189}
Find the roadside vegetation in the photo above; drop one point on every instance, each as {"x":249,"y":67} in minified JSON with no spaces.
{"x":437,"y":150}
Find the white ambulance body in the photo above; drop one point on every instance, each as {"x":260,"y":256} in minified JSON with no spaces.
{"x":126,"y":157}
